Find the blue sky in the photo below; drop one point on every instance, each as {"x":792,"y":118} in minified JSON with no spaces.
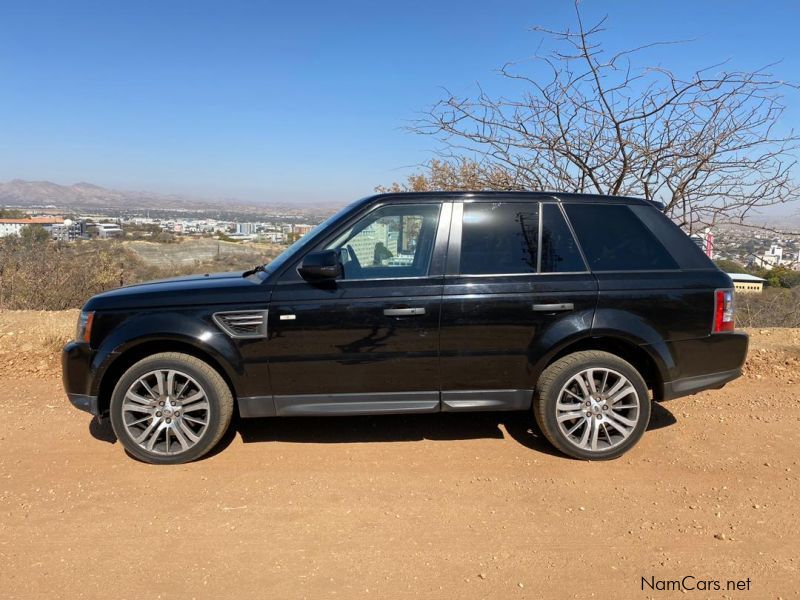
{"x":301,"y":101}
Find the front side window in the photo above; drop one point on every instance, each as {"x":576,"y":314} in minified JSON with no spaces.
{"x":614,"y":239}
{"x":392,"y":241}
{"x":499,"y":238}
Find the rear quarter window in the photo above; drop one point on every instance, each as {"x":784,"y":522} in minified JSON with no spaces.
{"x":681,"y":247}
{"x":614,"y":238}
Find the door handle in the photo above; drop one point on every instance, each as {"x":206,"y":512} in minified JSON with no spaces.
{"x":553,"y":307}
{"x":403,"y":312}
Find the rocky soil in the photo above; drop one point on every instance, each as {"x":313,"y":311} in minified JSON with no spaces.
{"x":436,"y":506}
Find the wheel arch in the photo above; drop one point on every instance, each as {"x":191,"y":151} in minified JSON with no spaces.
{"x":642,"y":357}
{"x":133,"y":354}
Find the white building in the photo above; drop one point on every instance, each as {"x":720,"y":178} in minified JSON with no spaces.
{"x":14,"y":226}
{"x":775,"y":255}
{"x":365,"y":241}
{"x":772,"y":258}
{"x":107,"y":230}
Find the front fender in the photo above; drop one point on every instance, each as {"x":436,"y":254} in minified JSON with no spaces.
{"x":126,"y":333}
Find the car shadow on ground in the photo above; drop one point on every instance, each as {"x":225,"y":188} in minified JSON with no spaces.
{"x":101,"y":430}
{"x":520,"y":426}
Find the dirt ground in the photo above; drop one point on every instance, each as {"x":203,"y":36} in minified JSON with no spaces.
{"x":436,"y":506}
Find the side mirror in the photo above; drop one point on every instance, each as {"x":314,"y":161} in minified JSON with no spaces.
{"x":320,"y":266}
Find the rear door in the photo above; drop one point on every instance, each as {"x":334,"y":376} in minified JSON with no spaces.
{"x":516,"y":284}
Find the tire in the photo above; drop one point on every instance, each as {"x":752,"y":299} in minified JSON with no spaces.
{"x":170,"y":408}
{"x":569,"y":411}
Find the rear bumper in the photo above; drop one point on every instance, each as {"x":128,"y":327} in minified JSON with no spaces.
{"x":692,"y":385}
{"x":706,"y":364}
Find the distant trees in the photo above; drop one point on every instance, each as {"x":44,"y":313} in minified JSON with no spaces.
{"x":709,"y":145}
{"x":780,"y":277}
{"x":774,"y":308}
{"x":34,"y":234}
{"x":38,"y":273}
{"x":730,"y":266}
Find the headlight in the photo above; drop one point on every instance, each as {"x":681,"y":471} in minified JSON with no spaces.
{"x":83,"y":333}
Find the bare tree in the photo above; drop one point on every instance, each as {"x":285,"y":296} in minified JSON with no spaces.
{"x":709,"y":146}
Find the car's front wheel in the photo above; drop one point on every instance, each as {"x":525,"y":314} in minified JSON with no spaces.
{"x":592,"y":405}
{"x":170,"y":408}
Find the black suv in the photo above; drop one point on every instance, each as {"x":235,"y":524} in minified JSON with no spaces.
{"x":576,"y":307}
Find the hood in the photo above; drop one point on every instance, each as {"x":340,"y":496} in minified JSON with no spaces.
{"x":186,"y":278}
{"x":191,"y":290}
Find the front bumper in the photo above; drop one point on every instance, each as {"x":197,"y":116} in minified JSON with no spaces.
{"x":84,"y":402}
{"x":76,"y":374}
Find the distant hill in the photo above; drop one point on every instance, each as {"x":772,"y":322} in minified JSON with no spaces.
{"x":19,"y":192}
{"x":89,"y":198}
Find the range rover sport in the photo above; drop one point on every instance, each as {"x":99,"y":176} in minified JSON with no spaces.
{"x":577,"y":308}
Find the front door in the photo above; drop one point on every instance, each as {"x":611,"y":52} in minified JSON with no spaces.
{"x":368,"y":342}
{"x":516,"y":284}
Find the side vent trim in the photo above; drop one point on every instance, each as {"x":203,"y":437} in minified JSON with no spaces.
{"x":242,"y":324}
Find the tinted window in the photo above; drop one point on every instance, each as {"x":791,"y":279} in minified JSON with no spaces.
{"x":680,"y":245}
{"x":559,"y":251}
{"x":499,"y":237}
{"x":393,"y":241}
{"x":614,"y":239}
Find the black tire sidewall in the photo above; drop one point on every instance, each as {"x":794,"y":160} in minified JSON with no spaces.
{"x":147,"y":366}
{"x":550,"y":415}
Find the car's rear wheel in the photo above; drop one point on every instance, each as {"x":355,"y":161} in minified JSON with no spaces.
{"x":592,"y":405}
{"x":170,"y":408}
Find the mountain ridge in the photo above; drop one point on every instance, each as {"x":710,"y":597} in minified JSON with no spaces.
{"x":42,"y":193}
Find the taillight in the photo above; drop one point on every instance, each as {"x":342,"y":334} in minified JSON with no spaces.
{"x":723,"y":311}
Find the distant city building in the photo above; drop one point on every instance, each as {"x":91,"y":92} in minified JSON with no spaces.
{"x":365,"y":242}
{"x":773,"y":257}
{"x":108,"y":230}
{"x":276,"y":237}
{"x":300,"y":229}
{"x":14,"y":226}
{"x":246,"y":228}
{"x":69,"y":230}
{"x":744,"y":282}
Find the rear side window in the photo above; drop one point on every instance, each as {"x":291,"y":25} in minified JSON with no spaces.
{"x":614,"y":239}
{"x":560,"y":253}
{"x":499,"y":237}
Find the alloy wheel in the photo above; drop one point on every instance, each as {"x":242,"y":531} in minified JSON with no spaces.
{"x":166,"y":412}
{"x":597,"y":409}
